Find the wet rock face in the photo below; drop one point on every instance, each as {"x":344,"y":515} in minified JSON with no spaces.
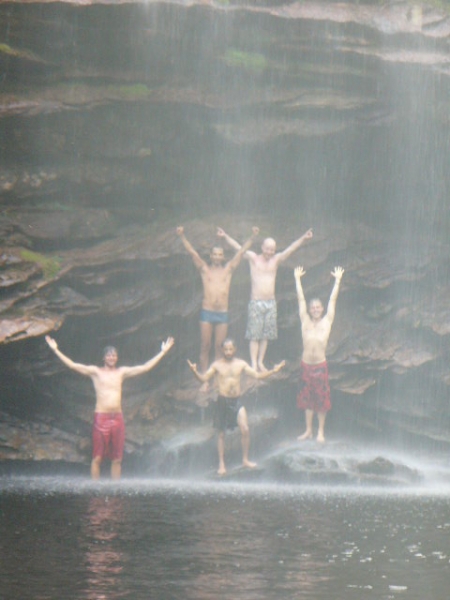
{"x":120,"y":122}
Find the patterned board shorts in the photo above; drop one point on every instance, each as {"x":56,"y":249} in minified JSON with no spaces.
{"x":262,"y":320}
{"x":314,"y":388}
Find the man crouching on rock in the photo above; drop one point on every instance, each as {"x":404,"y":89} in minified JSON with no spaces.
{"x":229,"y":409}
{"x":108,"y":433}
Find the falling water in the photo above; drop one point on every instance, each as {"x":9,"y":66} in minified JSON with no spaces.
{"x":120,"y":121}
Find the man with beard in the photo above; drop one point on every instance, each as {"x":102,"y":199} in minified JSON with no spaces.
{"x":108,"y":432}
{"x":216,"y":279}
{"x":230,"y":411}
{"x":314,"y":393}
{"x":262,"y":308}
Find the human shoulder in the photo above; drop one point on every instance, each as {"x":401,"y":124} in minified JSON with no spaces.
{"x":240,"y":364}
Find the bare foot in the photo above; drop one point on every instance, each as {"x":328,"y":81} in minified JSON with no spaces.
{"x":221,"y":470}
{"x":306,"y":436}
{"x":204,"y":387}
{"x":249,"y":464}
{"x":321,"y":438}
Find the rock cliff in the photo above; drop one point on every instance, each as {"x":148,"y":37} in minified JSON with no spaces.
{"x":121,"y":120}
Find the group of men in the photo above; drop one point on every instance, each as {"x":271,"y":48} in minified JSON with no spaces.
{"x":227,"y":369}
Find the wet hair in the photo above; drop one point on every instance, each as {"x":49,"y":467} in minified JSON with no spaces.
{"x":108,"y":349}
{"x":228,"y":341}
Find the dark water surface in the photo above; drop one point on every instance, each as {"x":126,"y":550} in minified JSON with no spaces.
{"x":70,"y":538}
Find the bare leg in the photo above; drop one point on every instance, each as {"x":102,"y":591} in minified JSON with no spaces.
{"x":206,"y":331}
{"x":254,"y":350}
{"x":95,"y":467}
{"x":245,"y":438}
{"x":220,"y":335}
{"x":221,"y":450}
{"x":321,"y":433}
{"x":116,"y":469}
{"x":262,"y":354}
{"x":309,"y":414}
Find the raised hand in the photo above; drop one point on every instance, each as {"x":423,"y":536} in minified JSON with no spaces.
{"x":255,"y":231}
{"x":299,"y":272}
{"x":220,"y":232}
{"x":51,"y":342}
{"x":180,"y":230}
{"x":192,"y":366}
{"x":167,"y":345}
{"x":309,"y":234}
{"x":337,"y":273}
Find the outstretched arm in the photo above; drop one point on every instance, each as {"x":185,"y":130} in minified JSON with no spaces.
{"x":331,"y":309}
{"x":198,"y":260}
{"x":263,"y":374}
{"x":140,"y":369}
{"x":236,"y":245}
{"x":294,"y":246}
{"x":78,"y":367}
{"x":202,"y":377}
{"x":234,"y":262}
{"x":302,"y":308}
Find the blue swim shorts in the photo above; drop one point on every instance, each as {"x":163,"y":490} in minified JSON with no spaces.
{"x":213,"y":317}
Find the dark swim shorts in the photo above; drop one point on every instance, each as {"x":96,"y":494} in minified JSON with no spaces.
{"x":226,"y":412}
{"x":108,"y":436}
{"x":213,"y":317}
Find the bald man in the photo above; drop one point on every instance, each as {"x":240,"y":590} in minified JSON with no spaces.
{"x":262,"y":308}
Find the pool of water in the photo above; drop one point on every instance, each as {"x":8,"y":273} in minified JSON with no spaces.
{"x":69,"y":538}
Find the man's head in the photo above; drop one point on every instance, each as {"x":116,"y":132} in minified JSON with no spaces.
{"x":268,"y":248}
{"x":315,"y":309}
{"x":217,"y":256}
{"x":228,"y":348}
{"x":110,"y":356}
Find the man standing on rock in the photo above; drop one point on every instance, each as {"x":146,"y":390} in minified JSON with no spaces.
{"x":262,"y":308}
{"x":314,"y":393}
{"x":216,"y":279}
{"x":230,"y":412}
{"x":108,"y":433}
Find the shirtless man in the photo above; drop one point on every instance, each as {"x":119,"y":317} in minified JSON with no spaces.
{"x":216,"y":278}
{"x":262,"y":308}
{"x":108,"y":433}
{"x":314,"y":394}
{"x":230,"y":411}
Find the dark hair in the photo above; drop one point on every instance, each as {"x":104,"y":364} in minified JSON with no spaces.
{"x":228,"y":341}
{"x":108,"y":349}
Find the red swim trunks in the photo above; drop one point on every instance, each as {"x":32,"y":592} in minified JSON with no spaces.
{"x":314,"y":388}
{"x":108,"y":435}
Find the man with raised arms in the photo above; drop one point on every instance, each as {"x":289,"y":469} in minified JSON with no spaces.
{"x":230,"y":412}
{"x":262,"y":308}
{"x":108,"y":433}
{"x":216,"y":279}
{"x":314,"y":393}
